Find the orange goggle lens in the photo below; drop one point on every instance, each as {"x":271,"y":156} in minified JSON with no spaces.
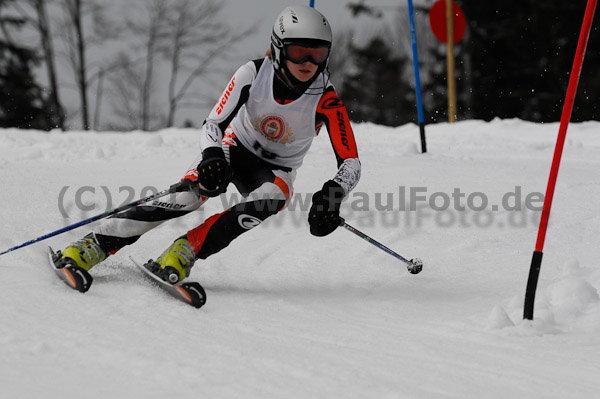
{"x":300,"y":54}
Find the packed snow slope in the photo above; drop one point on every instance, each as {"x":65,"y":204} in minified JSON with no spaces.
{"x":290,"y":315}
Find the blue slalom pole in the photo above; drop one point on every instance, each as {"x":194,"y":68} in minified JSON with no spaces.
{"x":312,"y":3}
{"x":413,"y":36}
{"x":181,"y":186}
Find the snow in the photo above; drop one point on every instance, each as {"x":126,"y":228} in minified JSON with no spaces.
{"x":294,"y":316}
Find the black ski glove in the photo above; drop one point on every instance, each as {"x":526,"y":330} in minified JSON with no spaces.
{"x":214,"y":173}
{"x":324,"y":214}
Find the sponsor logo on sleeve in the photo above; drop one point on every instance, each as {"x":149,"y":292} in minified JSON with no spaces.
{"x":333,"y":102}
{"x":167,"y":205}
{"x":225,"y":96}
{"x":343,"y":132}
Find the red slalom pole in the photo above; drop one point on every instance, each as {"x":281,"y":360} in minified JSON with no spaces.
{"x":536,"y":261}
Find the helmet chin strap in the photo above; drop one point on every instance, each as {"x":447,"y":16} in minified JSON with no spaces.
{"x":292,"y":83}
{"x":289,"y":79}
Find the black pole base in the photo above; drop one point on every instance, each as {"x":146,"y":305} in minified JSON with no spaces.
{"x":423,"y":141}
{"x":534,"y":273}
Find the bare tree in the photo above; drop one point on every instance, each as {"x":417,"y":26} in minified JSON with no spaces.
{"x":85,"y":27}
{"x":8,"y":20}
{"x":35,"y":15}
{"x":81,"y":27}
{"x":121,"y":62}
{"x":150,"y":31}
{"x":156,"y":33}
{"x":189,"y":35}
{"x":127,"y":89}
{"x":127,"y":82}
{"x":77,"y":53}
{"x":196,"y":36}
{"x":42,"y":24}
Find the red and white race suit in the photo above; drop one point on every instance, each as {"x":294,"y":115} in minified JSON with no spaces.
{"x":265,"y":131}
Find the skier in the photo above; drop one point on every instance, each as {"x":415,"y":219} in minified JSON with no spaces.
{"x":255,"y":137}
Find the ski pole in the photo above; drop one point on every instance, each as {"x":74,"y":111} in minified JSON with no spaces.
{"x":414,"y":266}
{"x":177,"y":187}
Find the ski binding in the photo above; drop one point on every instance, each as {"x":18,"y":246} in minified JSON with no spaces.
{"x":191,"y":293}
{"x":74,"y":276}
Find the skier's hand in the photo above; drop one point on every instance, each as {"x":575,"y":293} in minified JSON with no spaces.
{"x":186,"y":184}
{"x":324,"y":214}
{"x":214,"y":173}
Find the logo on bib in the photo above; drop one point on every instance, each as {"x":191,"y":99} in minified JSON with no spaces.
{"x":274,"y":128}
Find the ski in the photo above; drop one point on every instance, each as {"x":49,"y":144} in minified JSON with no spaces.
{"x":191,"y":293}
{"x":74,"y":276}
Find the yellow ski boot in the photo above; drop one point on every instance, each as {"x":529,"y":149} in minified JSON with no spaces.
{"x":85,"y":253}
{"x":175,"y":262}
{"x":74,"y":263}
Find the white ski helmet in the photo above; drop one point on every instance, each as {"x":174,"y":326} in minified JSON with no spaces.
{"x":302,"y":25}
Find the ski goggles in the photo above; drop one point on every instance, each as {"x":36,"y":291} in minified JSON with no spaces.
{"x":300,"y":54}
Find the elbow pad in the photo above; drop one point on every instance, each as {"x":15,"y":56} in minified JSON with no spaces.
{"x":211,"y":135}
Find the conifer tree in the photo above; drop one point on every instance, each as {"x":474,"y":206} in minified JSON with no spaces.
{"x":376,"y":91}
{"x":22,"y":103}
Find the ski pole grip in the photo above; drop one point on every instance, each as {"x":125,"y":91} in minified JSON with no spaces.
{"x":184,"y":185}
